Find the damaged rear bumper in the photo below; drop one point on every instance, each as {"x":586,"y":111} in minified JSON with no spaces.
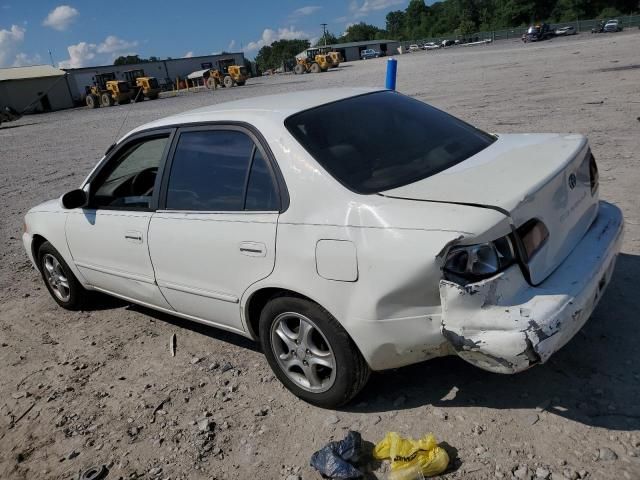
{"x":505,"y":325}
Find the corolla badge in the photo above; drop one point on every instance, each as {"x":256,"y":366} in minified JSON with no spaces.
{"x":572,"y":181}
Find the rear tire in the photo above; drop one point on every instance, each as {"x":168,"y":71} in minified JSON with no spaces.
{"x":60,"y":281}
{"x":211,"y":83}
{"x":299,"y":69}
{"x":106,"y":100}
{"x":316,"y":359}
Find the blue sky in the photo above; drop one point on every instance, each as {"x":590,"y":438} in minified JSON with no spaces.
{"x":91,"y":32}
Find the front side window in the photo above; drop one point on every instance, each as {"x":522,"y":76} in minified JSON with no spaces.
{"x":128,"y":180}
{"x":219,"y":170}
{"x":384,"y":140}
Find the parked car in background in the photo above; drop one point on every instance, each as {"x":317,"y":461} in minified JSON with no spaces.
{"x":431,"y":238}
{"x":447,"y":43}
{"x":432,"y":46}
{"x":568,"y":30}
{"x":369,"y":53}
{"x":613,"y":26}
{"x":414,"y":48}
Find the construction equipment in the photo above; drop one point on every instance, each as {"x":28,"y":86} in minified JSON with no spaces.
{"x":333,"y":58}
{"x":313,"y":62}
{"x":141,"y":85}
{"x":106,"y":91}
{"x":231,"y":76}
{"x":539,"y":32}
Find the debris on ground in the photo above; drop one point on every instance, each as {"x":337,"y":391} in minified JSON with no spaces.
{"x":411,"y":458}
{"x":336,"y":459}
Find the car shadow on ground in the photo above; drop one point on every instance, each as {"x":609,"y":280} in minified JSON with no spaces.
{"x":211,"y":332}
{"x":594,"y":379}
{"x":7,"y":127}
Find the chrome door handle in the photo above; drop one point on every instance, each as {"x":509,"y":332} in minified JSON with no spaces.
{"x":253,"y":249}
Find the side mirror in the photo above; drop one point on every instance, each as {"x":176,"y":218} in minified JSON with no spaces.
{"x":75,"y":199}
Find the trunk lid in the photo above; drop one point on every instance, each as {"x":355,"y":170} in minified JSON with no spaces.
{"x":531,"y":176}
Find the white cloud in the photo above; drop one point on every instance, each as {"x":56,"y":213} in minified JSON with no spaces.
{"x":304,"y":11}
{"x":9,"y":41}
{"x":269,"y":36}
{"x":232,"y":45}
{"x":61,"y":17}
{"x":113,"y":44}
{"x":368,"y":6}
{"x":83,"y":53}
{"x":189,"y":54}
{"x":23,"y":59}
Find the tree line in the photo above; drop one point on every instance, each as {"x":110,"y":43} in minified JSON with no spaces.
{"x":457,"y":17}
{"x":464,"y":17}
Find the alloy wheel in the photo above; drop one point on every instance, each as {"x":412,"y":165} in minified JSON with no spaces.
{"x":303,"y":352}
{"x":56,"y":277}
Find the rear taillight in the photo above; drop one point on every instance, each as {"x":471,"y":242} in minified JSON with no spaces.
{"x":593,"y":173}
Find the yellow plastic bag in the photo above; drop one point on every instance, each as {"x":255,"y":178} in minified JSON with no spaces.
{"x":410,"y":458}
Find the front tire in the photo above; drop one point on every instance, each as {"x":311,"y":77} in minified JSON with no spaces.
{"x":310,"y":352}
{"x":59,"y":279}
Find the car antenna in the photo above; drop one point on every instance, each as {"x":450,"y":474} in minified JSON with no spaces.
{"x":135,"y":100}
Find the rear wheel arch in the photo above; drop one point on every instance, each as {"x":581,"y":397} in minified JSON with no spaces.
{"x":258,"y":300}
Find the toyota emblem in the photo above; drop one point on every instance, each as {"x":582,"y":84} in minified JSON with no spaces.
{"x":572,"y":181}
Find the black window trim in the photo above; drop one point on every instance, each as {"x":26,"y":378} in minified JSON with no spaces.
{"x":259,"y":143}
{"x":115,"y":151}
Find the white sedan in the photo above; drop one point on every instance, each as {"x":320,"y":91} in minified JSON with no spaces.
{"x":347,"y":230}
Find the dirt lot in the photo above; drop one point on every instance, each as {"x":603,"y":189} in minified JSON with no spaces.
{"x":100,"y":387}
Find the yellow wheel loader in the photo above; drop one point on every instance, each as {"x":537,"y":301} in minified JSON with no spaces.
{"x":312,"y":63}
{"x":141,"y":85}
{"x":232,"y":76}
{"x":333,"y":58}
{"x":106,"y":91}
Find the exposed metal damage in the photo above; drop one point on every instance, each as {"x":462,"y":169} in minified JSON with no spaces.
{"x":505,"y":325}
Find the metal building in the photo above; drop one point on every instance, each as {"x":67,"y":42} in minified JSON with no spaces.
{"x":40,"y":88}
{"x":166,"y":71}
{"x":351,"y":51}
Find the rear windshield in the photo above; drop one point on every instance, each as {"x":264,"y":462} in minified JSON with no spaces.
{"x":383,"y":140}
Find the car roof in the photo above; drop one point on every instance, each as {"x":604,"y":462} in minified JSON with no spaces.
{"x":278,"y":106}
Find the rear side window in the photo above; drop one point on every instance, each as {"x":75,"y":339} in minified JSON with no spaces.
{"x":260,"y":192}
{"x":384,"y":140}
{"x":212,"y":171}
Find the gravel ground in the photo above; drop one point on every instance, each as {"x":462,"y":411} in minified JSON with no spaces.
{"x":100,"y":387}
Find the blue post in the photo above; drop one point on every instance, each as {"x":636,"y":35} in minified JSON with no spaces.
{"x":392,"y":69}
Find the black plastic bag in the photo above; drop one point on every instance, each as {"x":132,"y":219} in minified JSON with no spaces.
{"x":335,"y":459}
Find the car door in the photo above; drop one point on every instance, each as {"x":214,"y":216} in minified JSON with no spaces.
{"x":108,"y":238}
{"x":215,"y":234}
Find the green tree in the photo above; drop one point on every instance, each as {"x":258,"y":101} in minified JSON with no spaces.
{"x":274,"y":55}
{"x":129,"y":60}
{"x":609,"y":12}
{"x":395,"y":24}
{"x":329,"y":37}
{"x":360,"y":32}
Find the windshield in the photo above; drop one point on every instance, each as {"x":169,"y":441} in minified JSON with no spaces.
{"x":383,"y":140}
